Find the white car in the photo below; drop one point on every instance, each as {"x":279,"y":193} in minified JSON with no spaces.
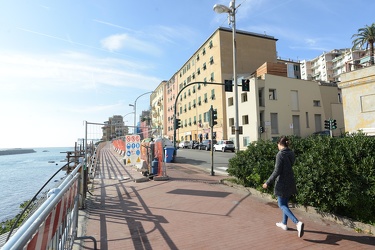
{"x":224,"y":145}
{"x":184,"y":144}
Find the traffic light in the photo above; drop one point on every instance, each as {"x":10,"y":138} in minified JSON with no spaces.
{"x":261,"y":129}
{"x":333,"y":124}
{"x":327,"y":124}
{"x":213,"y":116}
{"x":228,"y":86}
{"x":213,"y":135}
{"x":177,"y":123}
{"x":245,"y":85}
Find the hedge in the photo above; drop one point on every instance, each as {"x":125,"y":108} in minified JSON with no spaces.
{"x":334,"y":175}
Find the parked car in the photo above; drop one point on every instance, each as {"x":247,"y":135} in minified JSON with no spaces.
{"x":193,"y":144}
{"x":184,"y":144}
{"x":206,"y":145}
{"x":224,"y":145}
{"x":324,"y":133}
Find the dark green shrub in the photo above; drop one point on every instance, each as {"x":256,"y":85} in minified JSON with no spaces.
{"x":335,"y":175}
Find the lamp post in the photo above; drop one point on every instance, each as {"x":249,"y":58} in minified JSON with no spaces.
{"x":135,"y":109}
{"x":231,"y":10}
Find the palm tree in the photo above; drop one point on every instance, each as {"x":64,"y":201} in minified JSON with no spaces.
{"x":366,"y":36}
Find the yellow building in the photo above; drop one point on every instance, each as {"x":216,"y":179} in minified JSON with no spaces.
{"x":358,"y":91}
{"x":212,"y":63}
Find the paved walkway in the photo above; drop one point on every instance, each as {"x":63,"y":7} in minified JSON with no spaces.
{"x":192,"y":210}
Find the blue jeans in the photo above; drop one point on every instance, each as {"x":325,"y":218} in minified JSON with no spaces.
{"x":283,"y":205}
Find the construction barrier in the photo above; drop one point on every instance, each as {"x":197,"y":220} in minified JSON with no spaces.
{"x":54,"y":223}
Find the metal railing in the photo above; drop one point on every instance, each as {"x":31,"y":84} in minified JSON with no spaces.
{"x":54,"y":224}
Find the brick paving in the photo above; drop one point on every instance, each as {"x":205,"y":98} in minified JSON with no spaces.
{"x":193,"y":210}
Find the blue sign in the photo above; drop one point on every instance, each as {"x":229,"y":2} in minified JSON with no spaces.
{"x":128,"y":153}
{"x":138,"y":152}
{"x":128,"y":145}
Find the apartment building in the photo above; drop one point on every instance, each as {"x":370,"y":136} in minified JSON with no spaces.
{"x":358,"y":92}
{"x":198,"y":84}
{"x":284,"y":106}
{"x":329,"y":66}
{"x":157,"y":103}
{"x":171,"y":92}
{"x":114,"y":127}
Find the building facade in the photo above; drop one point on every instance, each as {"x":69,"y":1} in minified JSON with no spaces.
{"x":158,"y":117}
{"x":329,"y":66}
{"x":114,"y":127}
{"x":358,"y":91}
{"x":199,"y":82}
{"x":279,"y":105}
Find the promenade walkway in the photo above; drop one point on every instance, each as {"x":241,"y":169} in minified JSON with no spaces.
{"x":192,"y":210}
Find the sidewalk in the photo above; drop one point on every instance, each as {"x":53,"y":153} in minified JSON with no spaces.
{"x":192,"y":210}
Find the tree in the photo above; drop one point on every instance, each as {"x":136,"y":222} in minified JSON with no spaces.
{"x":365,"y":36}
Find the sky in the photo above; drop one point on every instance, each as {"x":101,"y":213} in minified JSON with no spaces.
{"x":67,"y":62}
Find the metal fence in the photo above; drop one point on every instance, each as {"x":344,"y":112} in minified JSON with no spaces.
{"x":54,"y":223}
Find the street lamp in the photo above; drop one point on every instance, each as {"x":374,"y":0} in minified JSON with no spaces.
{"x":135,"y":109}
{"x":231,"y":10}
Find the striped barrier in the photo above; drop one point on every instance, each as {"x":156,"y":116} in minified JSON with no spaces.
{"x":54,"y":223}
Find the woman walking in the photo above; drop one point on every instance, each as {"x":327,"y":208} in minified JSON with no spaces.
{"x":285,"y":185}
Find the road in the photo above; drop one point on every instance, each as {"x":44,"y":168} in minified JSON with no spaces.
{"x":202,"y":159}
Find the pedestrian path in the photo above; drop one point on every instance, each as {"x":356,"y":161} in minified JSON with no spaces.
{"x":193,"y":210}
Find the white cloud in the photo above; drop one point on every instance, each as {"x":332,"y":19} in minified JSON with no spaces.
{"x":71,"y":70}
{"x":124,"y":41}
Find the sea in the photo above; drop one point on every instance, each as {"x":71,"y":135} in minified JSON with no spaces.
{"x":22,"y":175}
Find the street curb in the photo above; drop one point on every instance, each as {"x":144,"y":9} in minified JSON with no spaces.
{"x":344,"y":221}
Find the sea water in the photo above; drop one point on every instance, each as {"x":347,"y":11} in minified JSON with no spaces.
{"x":22,"y":175}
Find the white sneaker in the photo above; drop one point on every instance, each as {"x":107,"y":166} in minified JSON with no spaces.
{"x":282,"y":226}
{"x":300,"y":229}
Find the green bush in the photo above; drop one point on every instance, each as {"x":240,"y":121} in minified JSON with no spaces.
{"x":335,"y":175}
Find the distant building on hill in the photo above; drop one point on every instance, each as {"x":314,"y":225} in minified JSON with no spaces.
{"x":329,"y":66}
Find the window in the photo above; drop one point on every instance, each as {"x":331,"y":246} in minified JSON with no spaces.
{"x":316,"y":103}
{"x":211,"y":45}
{"x":211,"y":60}
{"x":274,"y":123}
{"x":245,"y":119}
{"x":231,"y":122}
{"x":212,"y":94}
{"x":244,"y":97}
{"x":198,"y":71}
{"x":294,"y":99}
{"x":199,"y":86}
{"x":212,"y":77}
{"x":246,"y":141}
{"x":205,"y":98}
{"x":198,"y":57}
{"x":204,"y":51}
{"x":204,"y":66}
{"x":272,"y":94}
{"x":199,"y":101}
{"x":307,"y":120}
{"x":230,"y":101}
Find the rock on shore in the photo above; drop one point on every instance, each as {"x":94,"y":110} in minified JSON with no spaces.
{"x":17,"y":151}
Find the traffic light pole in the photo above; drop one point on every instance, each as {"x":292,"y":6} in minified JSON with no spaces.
{"x":175,"y":107}
{"x":212,"y":122}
